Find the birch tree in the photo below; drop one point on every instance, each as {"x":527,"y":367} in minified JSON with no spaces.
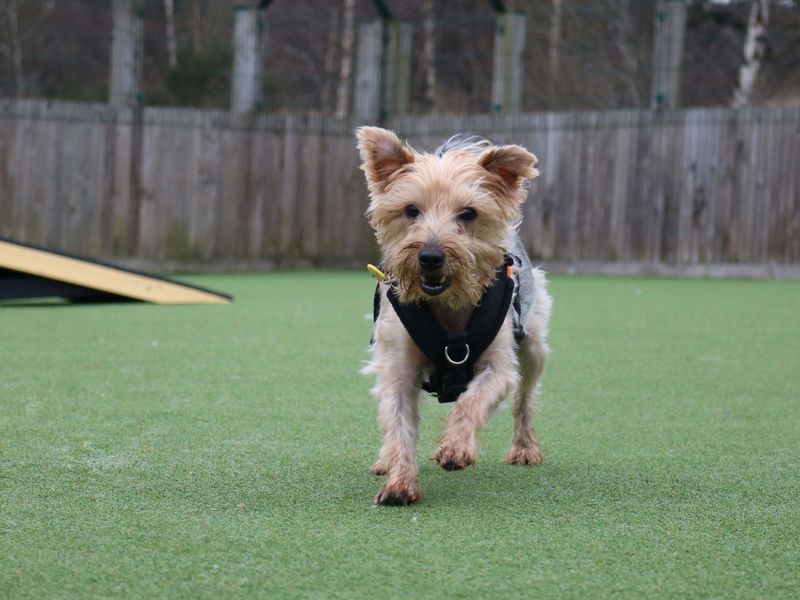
{"x":755,"y":45}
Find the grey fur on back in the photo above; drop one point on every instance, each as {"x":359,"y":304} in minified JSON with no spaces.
{"x":464,"y":142}
{"x":523,"y":276}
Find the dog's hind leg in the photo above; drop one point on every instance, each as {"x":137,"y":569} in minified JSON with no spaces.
{"x":524,"y":447}
{"x":532,"y":355}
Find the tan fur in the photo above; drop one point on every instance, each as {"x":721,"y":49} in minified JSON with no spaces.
{"x":491,"y":183}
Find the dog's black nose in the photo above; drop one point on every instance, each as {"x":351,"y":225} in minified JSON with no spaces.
{"x":431,"y":258}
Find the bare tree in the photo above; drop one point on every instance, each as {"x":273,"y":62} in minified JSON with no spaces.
{"x":622,"y":41}
{"x":346,"y":71}
{"x":755,"y":44}
{"x":172,"y":45}
{"x":197,"y":28}
{"x":330,"y":61}
{"x":554,"y":47}
{"x":12,"y":49}
{"x":429,"y":52}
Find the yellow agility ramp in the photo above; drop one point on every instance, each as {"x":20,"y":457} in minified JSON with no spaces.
{"x":28,"y":271}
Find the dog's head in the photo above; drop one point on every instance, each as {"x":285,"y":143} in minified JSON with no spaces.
{"x":442,"y":219}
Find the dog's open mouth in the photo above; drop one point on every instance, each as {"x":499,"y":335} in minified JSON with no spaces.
{"x":433,"y":286}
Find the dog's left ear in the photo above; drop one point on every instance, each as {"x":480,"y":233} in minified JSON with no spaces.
{"x":383,"y":156}
{"x":510,"y":164}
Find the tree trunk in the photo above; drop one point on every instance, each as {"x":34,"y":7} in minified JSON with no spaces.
{"x":197,"y":29}
{"x":330,"y":62}
{"x":622,"y":39}
{"x":13,"y":49}
{"x":429,"y":53}
{"x":755,"y":45}
{"x":172,"y":45}
{"x":346,"y":71}
{"x":554,"y":51}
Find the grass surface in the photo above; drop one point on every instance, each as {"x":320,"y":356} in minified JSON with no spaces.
{"x":200,"y":451}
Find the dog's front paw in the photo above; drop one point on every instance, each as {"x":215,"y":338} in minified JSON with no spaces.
{"x":524,"y":455}
{"x":453,"y":457}
{"x":398,"y":493}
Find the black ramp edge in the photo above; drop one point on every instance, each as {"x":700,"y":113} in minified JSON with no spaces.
{"x":16,"y":285}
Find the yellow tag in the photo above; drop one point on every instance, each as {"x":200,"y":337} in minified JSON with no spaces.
{"x":376,"y":273}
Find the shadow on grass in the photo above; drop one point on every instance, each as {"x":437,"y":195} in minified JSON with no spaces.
{"x":497,"y":486}
{"x":303,"y":484}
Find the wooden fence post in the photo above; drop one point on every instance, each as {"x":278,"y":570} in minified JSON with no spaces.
{"x":126,"y":54}
{"x":125,"y":96}
{"x":397,"y":79}
{"x":383,"y":70}
{"x":248,"y":60}
{"x":668,"y":54}
{"x":509,"y":43}
{"x":367,"y":96}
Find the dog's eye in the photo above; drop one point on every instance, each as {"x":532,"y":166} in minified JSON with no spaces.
{"x":467,"y":215}
{"x":412,"y":212}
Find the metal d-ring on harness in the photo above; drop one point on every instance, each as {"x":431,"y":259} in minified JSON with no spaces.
{"x":455,"y":353}
{"x":456,"y":362}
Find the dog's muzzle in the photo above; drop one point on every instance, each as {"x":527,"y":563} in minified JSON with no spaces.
{"x":431,"y":262}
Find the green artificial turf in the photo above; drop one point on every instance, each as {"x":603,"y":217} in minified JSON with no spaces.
{"x":204,"y":451}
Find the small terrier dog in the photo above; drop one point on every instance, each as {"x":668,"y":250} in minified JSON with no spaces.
{"x":446,"y":226}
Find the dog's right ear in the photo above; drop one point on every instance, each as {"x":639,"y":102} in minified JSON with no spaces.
{"x":383,"y":156}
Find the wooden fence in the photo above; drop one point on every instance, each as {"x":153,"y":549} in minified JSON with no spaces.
{"x":191,"y":187}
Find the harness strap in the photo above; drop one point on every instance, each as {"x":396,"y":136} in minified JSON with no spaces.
{"x":455,"y":353}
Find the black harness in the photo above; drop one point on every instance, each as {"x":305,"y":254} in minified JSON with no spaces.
{"x":454,"y":353}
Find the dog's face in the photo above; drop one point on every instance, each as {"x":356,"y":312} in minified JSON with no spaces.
{"x":441,"y":221}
